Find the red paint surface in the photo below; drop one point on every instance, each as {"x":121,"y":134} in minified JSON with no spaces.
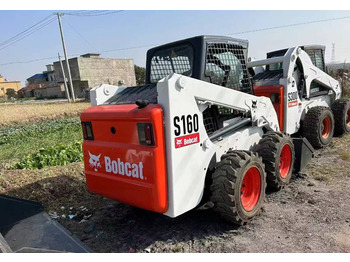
{"x":267,"y":91}
{"x":123,"y":147}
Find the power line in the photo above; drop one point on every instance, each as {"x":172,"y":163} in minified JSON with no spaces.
{"x":34,"y":60}
{"x":42,"y":23}
{"x":289,"y":25}
{"x":94,"y":13}
{"x":125,"y":48}
{"x":81,"y":13}
{"x":28,"y":33}
{"x":20,"y":34}
{"x":73,"y":55}
{"x":76,"y":31}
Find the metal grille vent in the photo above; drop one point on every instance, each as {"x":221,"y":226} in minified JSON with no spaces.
{"x":316,"y":58}
{"x":131,"y":94}
{"x":226,"y":66}
{"x":209,"y":123}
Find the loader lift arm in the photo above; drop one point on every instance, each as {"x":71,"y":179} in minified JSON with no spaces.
{"x":296,"y":56}
{"x":260,"y":109}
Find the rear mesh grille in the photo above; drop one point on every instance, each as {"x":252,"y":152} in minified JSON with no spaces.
{"x":269,"y":75}
{"x":226,"y":66}
{"x":178,"y":59}
{"x":210,"y":120}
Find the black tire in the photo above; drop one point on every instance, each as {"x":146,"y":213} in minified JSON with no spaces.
{"x":314,"y":128}
{"x":270,"y":150}
{"x":228,"y":186}
{"x":341,"y":112}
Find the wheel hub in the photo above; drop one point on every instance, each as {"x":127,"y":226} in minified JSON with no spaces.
{"x":285,"y":161}
{"x":250,"y":189}
{"x":326,"y":127}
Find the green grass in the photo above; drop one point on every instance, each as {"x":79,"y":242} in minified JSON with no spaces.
{"x":345,"y":156}
{"x":18,"y":100}
{"x":322,"y":173}
{"x":52,"y":156}
{"x":18,"y":141}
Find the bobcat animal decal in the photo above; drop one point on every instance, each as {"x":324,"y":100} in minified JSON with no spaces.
{"x":94,"y":161}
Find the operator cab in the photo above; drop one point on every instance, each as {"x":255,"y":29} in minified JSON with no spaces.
{"x":218,"y":60}
{"x":215,"y":59}
{"x":315,"y":52}
{"x":274,"y":72}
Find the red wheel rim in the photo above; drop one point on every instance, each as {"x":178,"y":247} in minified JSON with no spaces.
{"x":250,"y":189}
{"x":348,"y":118}
{"x":326,"y":127}
{"x":285,"y":161}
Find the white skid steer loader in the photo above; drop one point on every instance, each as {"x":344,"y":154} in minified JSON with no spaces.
{"x":307,"y":100}
{"x":198,"y":131}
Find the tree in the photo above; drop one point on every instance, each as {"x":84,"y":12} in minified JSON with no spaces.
{"x":343,"y":76}
{"x":140,"y":74}
{"x":10,"y":92}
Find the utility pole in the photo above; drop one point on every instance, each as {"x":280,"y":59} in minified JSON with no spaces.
{"x":64,"y":78}
{"x":333,"y":53}
{"x":344,"y":75}
{"x":65,"y":56}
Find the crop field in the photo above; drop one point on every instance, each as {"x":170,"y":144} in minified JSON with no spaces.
{"x":18,"y":141}
{"x":30,"y":113}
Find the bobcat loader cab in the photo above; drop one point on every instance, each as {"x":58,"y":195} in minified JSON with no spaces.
{"x":193,"y":128}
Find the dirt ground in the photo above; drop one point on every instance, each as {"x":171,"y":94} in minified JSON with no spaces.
{"x":311,"y":214}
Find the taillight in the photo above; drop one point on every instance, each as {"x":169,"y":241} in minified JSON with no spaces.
{"x":87,"y":131}
{"x":145,"y":132}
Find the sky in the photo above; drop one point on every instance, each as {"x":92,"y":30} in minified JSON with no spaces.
{"x":143,"y":29}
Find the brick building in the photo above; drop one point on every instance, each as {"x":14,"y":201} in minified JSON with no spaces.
{"x":90,"y":70}
{"x":44,"y":85}
{"x":5,"y":85}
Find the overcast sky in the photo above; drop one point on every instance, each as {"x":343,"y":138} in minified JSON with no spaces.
{"x":145,"y":29}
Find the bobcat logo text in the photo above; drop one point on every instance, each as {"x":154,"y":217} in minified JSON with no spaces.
{"x":117,"y":166}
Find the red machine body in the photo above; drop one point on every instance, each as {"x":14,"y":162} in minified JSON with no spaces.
{"x":275,"y":93}
{"x":124,"y":154}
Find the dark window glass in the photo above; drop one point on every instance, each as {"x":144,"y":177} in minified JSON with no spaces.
{"x":275,"y":67}
{"x":316,"y":58}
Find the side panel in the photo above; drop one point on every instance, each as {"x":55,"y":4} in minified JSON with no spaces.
{"x":188,"y":148}
{"x":276,"y":94}
{"x":186,"y":164}
{"x":117,"y":166}
{"x":292,"y":106}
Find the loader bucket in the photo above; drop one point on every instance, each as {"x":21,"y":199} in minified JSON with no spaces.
{"x":26,"y":228}
{"x":303,"y":153}
{"x":14,"y":210}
